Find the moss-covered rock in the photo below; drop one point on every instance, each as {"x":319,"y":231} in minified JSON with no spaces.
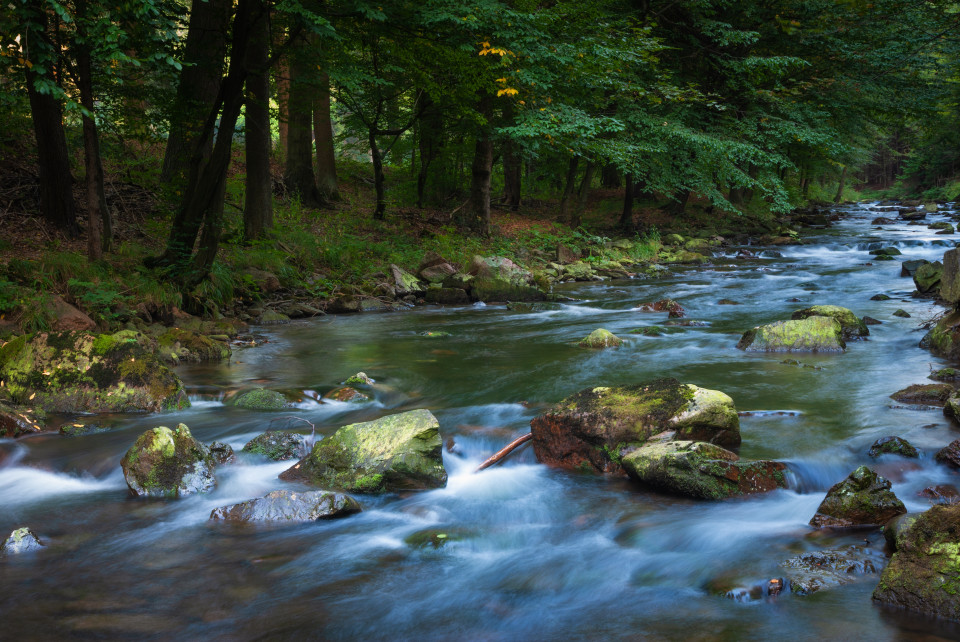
{"x":84,"y":372}
{"x":927,"y":394}
{"x":434,"y":538}
{"x":594,"y":427}
{"x":222,"y":453}
{"x":500,"y":279}
{"x":261,"y":399}
{"x":168,"y":463}
{"x":278,"y":446}
{"x":600,"y":338}
{"x":22,"y":540}
{"x":950,"y":278}
{"x":909,"y":268}
{"x":894,"y":530}
{"x":579,"y":271}
{"x":924,"y":573}
{"x":177,"y":346}
{"x":359,"y":379}
{"x":817,"y":570}
{"x":951,"y":407}
{"x":927,"y":277}
{"x":17,"y":421}
{"x":943,"y":339}
{"x":700,"y":470}
{"x":815,"y":334}
{"x":888,"y":251}
{"x":287,"y":506}
{"x":397,"y":452}
{"x":863,"y":498}
{"x":945,"y":375}
{"x":893,"y":446}
{"x":851,"y":326}
{"x":346,"y":394}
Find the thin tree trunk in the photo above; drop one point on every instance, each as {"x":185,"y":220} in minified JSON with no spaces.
{"x":379,"y":213}
{"x":626,"y":216}
{"x":91,"y":149}
{"x":298,"y":174}
{"x":841,"y":186}
{"x":323,"y":135}
{"x":610,"y":176}
{"x":204,"y":54}
{"x":568,"y":187}
{"x":582,"y":194}
{"x":258,"y":208}
{"x":512,"y":175}
{"x":430,"y":140}
{"x":679,"y":205}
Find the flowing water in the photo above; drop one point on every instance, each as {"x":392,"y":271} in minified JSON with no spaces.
{"x":532,"y":552}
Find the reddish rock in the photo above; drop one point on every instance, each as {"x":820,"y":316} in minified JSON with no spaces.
{"x":941,"y":493}
{"x":68,"y":318}
{"x":950,"y":455}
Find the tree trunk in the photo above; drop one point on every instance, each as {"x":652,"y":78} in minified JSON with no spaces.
{"x":610,"y":176}
{"x":474,"y":218}
{"x":298,"y":174}
{"x":203,"y":55}
{"x":430,"y":140}
{"x":512,"y":175}
{"x":56,"y":182}
{"x":582,"y":194}
{"x":626,"y":216}
{"x":379,"y":213}
{"x":323,"y":135}
{"x":258,"y":208}
{"x":568,"y":186}
{"x":841,"y":186}
{"x":91,"y":149}
{"x":679,"y":203}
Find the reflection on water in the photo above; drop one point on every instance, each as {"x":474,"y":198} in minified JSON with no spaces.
{"x":530,"y":552}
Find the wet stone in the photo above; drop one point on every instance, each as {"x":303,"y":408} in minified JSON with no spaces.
{"x":278,"y":446}
{"x":893,"y":446}
{"x":285,"y":506}
{"x":22,"y":540}
{"x":222,"y":453}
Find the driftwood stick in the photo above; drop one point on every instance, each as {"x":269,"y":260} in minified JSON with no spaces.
{"x":506,"y":450}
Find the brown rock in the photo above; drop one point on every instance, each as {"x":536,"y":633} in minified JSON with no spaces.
{"x":17,"y":422}
{"x":567,"y":254}
{"x":863,"y":498}
{"x":68,"y":318}
{"x":437,"y":273}
{"x":928,"y":394}
{"x":950,"y":455}
{"x":266,"y":281}
{"x":941,"y":493}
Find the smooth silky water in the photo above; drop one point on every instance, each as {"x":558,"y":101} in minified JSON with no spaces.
{"x":532,"y":553}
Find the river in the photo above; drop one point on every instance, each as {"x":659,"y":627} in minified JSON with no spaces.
{"x":533,"y":553}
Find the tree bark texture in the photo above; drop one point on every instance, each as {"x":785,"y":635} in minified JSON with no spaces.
{"x":841,"y":185}
{"x":475,"y":217}
{"x":576,"y":217}
{"x":258,"y":206}
{"x":298,"y":174}
{"x":379,"y":212}
{"x":430,"y":141}
{"x":204,"y":54}
{"x":568,"y":187}
{"x":323,"y":140}
{"x":91,"y":148}
{"x":626,"y":216}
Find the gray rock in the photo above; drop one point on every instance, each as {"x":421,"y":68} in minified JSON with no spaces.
{"x":22,"y":540}
{"x":286,"y":506}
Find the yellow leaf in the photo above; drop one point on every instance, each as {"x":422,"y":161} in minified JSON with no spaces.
{"x":32,"y":396}
{"x":509,"y":91}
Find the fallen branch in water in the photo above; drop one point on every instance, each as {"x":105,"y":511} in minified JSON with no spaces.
{"x":506,"y":450}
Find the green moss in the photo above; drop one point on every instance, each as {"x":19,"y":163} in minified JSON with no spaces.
{"x":261,"y":399}
{"x":814,"y":334}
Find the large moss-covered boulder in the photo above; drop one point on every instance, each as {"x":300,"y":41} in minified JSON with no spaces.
{"x":592,"y":428}
{"x":499,"y":279}
{"x":924,"y":573}
{"x":168,"y":463}
{"x":397,"y":452}
{"x":287,"y":506}
{"x":22,"y":540}
{"x":278,"y":445}
{"x":261,"y":399}
{"x":896,"y":528}
{"x":943,"y":339}
{"x":927,"y":277}
{"x":864,"y":498}
{"x":893,"y":445}
{"x":176,"y":345}
{"x":950,"y":278}
{"x":815,"y":334}
{"x":85,"y":372}
{"x":926,"y":394}
{"x":17,"y":421}
{"x":700,"y":470}
{"x":851,"y":326}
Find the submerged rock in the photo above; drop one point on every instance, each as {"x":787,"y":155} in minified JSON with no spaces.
{"x":595,"y":426}
{"x":22,"y":540}
{"x":924,"y":573}
{"x":84,"y":372}
{"x":288,"y":506}
{"x":346,"y":394}
{"x":434,"y":538}
{"x":278,"y":445}
{"x":815,"y":334}
{"x":700,"y":470}
{"x":851,"y":326}
{"x":533,"y":307}
{"x":863,"y":498}
{"x":880,"y":297}
{"x":168,"y":463}
{"x":600,"y":338}
{"x":397,"y":452}
{"x":893,"y":446}
{"x":928,"y":394}
{"x":810,"y":572}
{"x":261,"y":399}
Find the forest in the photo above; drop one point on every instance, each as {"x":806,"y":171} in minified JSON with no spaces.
{"x":480,"y":319}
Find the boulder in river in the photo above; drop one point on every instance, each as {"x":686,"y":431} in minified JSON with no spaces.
{"x":810,"y":572}
{"x":346,"y":394}
{"x":851,"y":326}
{"x":84,"y":372}
{"x":288,"y":506}
{"x":396,"y":452}
{"x":600,"y":338}
{"x":927,"y":277}
{"x":950,"y":454}
{"x":17,"y":421}
{"x":924,"y":573}
{"x":700,"y":470}
{"x":950,"y":278}
{"x":403,"y":282}
{"x":903,"y":314}
{"x":500,"y":279}
{"x":888,"y":251}
{"x":945,"y":374}
{"x":594,"y":427}
{"x":943,"y":339}
{"x":863,"y":498}
{"x":22,"y":540}
{"x":951,"y":408}
{"x":222,"y":453}
{"x":927,"y":394}
{"x":168,"y":463}
{"x":894,"y":530}
{"x":893,"y":446}
{"x":909,"y":268}
{"x":815,"y":334}
{"x":278,"y":445}
{"x":941,"y":494}
{"x":261,"y":399}
{"x":359,"y":379}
